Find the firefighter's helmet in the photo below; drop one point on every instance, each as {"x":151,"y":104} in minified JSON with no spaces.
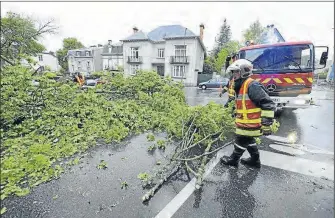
{"x":244,"y":67}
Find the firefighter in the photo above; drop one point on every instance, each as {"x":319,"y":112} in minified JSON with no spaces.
{"x":254,"y":114}
{"x":230,"y":85}
{"x":80,"y":79}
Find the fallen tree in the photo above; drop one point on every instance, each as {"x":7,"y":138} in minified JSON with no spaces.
{"x":43,"y":124}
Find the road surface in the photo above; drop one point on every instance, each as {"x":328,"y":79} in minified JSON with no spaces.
{"x":296,"y":180}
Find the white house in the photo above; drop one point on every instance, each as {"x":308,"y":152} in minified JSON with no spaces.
{"x":112,"y":56}
{"x":170,"y":50}
{"x":44,"y":60}
{"x":85,"y":60}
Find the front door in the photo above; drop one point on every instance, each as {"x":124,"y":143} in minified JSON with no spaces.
{"x":160,"y":70}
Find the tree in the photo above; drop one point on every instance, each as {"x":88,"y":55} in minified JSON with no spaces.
{"x":68,"y":44}
{"x":20,"y":35}
{"x":209,"y":66}
{"x":254,"y":32}
{"x":223,"y":37}
{"x":229,"y":48}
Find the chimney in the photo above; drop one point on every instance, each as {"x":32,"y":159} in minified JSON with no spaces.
{"x":135,"y":29}
{"x":109,"y":42}
{"x":202,"y":27}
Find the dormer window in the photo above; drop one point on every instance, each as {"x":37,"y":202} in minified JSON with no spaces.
{"x":87,"y":53}
{"x":78,"y":53}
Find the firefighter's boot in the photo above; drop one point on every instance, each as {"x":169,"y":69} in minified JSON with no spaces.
{"x":253,"y":160}
{"x":234,"y":158}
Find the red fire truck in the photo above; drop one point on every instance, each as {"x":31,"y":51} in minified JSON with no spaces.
{"x":286,"y":69}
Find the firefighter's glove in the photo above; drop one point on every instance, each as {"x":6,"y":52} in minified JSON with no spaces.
{"x":267,"y":121}
{"x":266,"y":130}
{"x":220,"y":95}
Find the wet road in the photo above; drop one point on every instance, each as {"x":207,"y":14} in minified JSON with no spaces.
{"x":288,"y":187}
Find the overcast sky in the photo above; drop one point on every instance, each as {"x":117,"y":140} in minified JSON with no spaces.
{"x":94,"y":23}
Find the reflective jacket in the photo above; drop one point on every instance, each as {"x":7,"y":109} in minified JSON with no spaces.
{"x":254,"y":108}
{"x":231,"y":91}
{"x":80,"y":80}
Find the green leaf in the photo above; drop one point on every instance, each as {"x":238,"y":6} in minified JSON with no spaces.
{"x":102,"y":165}
{"x":23,"y":192}
{"x":3,"y":210}
{"x":124,"y":185}
{"x":150,"y":137}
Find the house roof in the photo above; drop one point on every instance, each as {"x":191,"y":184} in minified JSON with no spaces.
{"x":137,"y":36}
{"x":170,"y":31}
{"x":116,"y":48}
{"x":82,"y":50}
{"x":163,"y":33}
{"x":49,"y":53}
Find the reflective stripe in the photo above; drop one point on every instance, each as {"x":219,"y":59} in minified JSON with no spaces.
{"x":248,"y":132}
{"x":248,"y":120}
{"x":310,"y":79}
{"x":225,"y":88}
{"x":254,"y":144}
{"x":266,"y":80}
{"x":240,"y":97}
{"x":244,"y":93}
{"x":299,"y":80}
{"x":258,"y":79}
{"x":240,"y":147}
{"x":269,"y":113}
{"x":277,"y":80}
{"x":254,"y":110}
{"x":288,"y":80}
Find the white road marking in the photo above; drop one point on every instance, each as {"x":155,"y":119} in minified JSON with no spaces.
{"x":287,"y":149}
{"x":278,"y":138}
{"x":300,"y":146}
{"x":280,"y":161}
{"x":297,"y":165}
{"x":172,"y":207}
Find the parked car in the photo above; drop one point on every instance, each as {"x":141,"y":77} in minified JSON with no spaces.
{"x":214,"y":83}
{"x":90,"y":83}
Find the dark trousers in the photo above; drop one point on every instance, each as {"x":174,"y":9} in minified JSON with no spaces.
{"x":243,"y":143}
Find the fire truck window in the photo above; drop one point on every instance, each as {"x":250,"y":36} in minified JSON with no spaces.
{"x":305,"y":57}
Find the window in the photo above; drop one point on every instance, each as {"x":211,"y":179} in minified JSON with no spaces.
{"x":72,"y":68}
{"x":88,"y":64}
{"x":180,"y":50}
{"x":160,"y":70}
{"x":134,"y":52}
{"x":88,"y":53}
{"x":110,"y":50}
{"x":134,"y":69}
{"x":40,"y":58}
{"x":178,"y":71}
{"x":78,"y":53}
{"x":161,"y":53}
{"x":280,"y":58}
{"x":79,"y":67}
